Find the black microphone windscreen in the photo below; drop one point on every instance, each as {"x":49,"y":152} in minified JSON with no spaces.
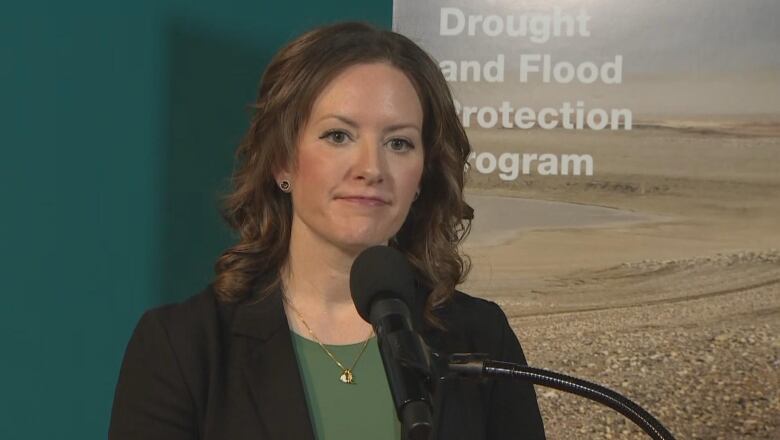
{"x":380,"y":271}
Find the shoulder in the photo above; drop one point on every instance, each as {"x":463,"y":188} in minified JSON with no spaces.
{"x":184,"y":342}
{"x":170,"y":362}
{"x":475,"y":304}
{"x":464,"y":310}
{"x":189,"y":325}
{"x":187,"y":314}
{"x":472,"y":324}
{"x":188,"y":309}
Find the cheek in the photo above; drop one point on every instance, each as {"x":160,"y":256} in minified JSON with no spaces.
{"x":409,"y":178}
{"x":312,"y":171}
{"x":309,"y":182}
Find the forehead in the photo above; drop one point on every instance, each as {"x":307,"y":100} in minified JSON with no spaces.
{"x":370,"y":91}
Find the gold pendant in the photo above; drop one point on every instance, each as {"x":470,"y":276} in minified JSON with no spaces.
{"x":346,"y":376}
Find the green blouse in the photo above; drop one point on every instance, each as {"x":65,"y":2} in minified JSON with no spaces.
{"x":342,"y":411}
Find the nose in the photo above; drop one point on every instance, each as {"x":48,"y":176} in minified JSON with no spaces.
{"x":369,"y":162}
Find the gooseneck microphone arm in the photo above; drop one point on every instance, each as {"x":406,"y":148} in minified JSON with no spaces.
{"x":476,"y":365}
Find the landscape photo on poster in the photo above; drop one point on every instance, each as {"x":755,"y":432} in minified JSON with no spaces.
{"x":625,"y":181}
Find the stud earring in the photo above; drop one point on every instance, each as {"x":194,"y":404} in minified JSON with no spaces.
{"x":416,"y":194}
{"x":284,"y":185}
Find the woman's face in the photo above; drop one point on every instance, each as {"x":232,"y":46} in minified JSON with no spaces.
{"x":359,"y":159}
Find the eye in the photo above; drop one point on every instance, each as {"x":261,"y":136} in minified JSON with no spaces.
{"x":400,"y":144}
{"x":337,"y":137}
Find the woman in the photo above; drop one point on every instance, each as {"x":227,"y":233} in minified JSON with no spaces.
{"x":355,"y":142}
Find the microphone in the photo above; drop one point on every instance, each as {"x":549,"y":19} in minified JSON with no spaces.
{"x":382,"y":285}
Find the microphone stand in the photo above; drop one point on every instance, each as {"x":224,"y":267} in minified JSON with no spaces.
{"x":421,"y":370}
{"x":477,"y":365}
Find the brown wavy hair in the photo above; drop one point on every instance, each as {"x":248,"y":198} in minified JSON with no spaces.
{"x":261,"y":214}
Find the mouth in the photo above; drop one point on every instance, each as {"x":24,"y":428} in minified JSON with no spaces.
{"x":364,"y":200}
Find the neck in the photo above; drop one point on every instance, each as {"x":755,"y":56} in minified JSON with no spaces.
{"x":317,"y":274}
{"x":316,"y":283}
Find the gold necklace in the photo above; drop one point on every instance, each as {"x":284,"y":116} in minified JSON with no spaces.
{"x":347,"y":374}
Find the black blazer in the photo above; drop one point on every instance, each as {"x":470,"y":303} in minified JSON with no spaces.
{"x":206,"y":370}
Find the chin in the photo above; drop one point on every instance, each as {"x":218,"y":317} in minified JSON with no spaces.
{"x":357,"y":243}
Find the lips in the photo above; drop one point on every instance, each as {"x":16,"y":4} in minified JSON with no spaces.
{"x":366,"y":200}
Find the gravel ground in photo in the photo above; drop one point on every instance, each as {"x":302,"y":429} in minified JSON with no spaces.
{"x":696,"y":342}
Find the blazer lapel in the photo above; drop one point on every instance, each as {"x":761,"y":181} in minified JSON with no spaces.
{"x":271,"y":368}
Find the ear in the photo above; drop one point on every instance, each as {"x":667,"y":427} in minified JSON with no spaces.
{"x":282,"y":173}
{"x":286,"y":169}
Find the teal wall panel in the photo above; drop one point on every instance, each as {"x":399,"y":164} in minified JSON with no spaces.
{"x":119,"y":122}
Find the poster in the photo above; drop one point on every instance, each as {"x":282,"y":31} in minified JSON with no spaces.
{"x":626,"y":180}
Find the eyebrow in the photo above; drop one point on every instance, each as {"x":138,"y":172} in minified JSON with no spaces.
{"x":354,"y":124}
